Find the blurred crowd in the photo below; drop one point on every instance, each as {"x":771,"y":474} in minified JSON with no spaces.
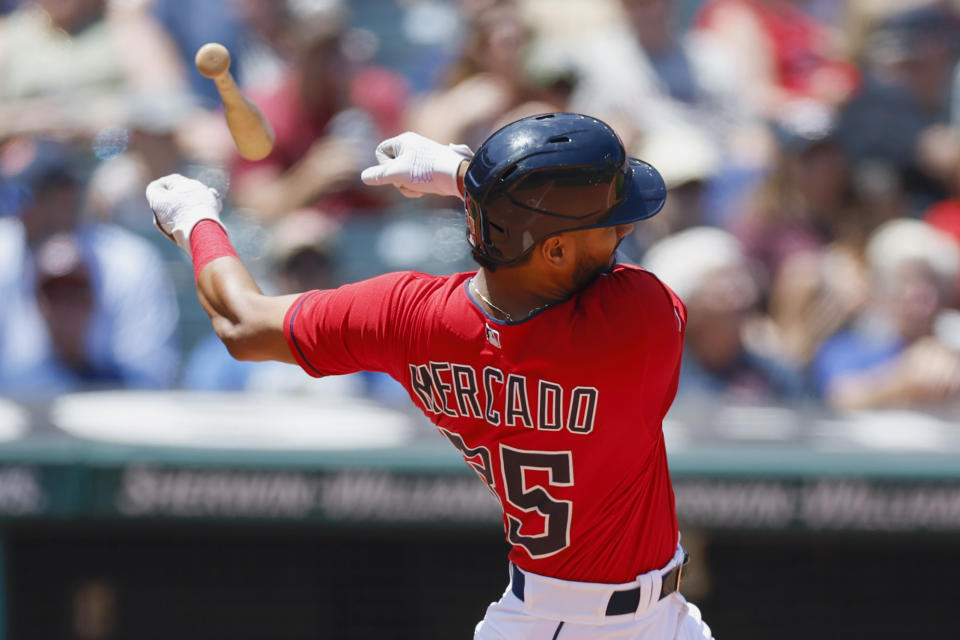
{"x":811,"y":149}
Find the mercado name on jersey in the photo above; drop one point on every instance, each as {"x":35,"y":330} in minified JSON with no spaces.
{"x":503,"y":399}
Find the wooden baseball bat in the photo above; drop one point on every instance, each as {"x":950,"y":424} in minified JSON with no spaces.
{"x":251,"y":132}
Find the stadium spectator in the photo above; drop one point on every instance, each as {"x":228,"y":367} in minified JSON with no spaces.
{"x":808,"y":226}
{"x":900,"y":116}
{"x":944,"y":215}
{"x":328,"y":115}
{"x":802,"y":199}
{"x":85,"y":305}
{"x":251,"y":30}
{"x":785,"y":52}
{"x":489,"y":85}
{"x":895,"y":354}
{"x":730,"y":351}
{"x":67,"y":67}
{"x":646,"y":77}
{"x":153,"y":146}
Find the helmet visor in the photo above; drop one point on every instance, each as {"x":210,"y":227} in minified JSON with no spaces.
{"x":589,"y":196}
{"x":645,"y":195}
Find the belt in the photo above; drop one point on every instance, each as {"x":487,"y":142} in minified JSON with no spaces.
{"x":621,"y":602}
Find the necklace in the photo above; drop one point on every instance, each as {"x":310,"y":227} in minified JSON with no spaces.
{"x":506,"y":315}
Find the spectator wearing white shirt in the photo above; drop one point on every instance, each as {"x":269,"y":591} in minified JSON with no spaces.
{"x":85,"y":305}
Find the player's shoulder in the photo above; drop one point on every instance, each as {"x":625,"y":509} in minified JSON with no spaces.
{"x":628,"y":278}
{"x":419,"y":281}
{"x":631,"y":289}
{"x":411,"y":287}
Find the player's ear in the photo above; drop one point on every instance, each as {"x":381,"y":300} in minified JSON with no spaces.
{"x":556,"y":250}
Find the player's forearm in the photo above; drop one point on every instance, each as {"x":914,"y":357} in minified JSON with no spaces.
{"x":249,"y":323}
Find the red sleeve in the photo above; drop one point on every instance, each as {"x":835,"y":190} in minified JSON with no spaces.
{"x":665,"y":320}
{"x":357,"y":327}
{"x":679,"y":308}
{"x":680,"y":313}
{"x":650,"y":323}
{"x":638,"y":299}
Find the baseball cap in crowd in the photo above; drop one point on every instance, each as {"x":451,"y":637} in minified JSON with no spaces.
{"x":803,"y":123}
{"x":301,"y":249}
{"x":903,"y":240}
{"x":687,"y":260}
{"x":28,"y":164}
{"x":903,"y":34}
{"x":681,"y":154}
{"x":59,"y":262}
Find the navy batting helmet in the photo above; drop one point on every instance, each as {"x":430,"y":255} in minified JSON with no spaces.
{"x":551,"y":173}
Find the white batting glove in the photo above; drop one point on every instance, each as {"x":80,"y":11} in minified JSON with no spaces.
{"x":179,"y":203}
{"x":417,"y":165}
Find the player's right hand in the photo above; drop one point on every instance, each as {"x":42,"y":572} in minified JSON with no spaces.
{"x":179,"y":203}
{"x":417,"y":165}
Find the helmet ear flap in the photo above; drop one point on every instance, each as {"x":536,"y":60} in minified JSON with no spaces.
{"x":477,"y":227}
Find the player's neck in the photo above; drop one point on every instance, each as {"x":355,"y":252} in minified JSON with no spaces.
{"x":514,"y":293}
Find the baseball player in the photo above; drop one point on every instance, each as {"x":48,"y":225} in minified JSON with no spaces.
{"x":550,"y":368}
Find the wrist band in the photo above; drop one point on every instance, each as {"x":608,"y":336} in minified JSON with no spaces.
{"x":208,"y":241}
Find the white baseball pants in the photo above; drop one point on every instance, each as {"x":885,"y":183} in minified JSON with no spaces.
{"x":564,"y":610}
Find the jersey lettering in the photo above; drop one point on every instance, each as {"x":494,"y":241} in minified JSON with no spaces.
{"x":489,"y":375}
{"x":517,"y":405}
{"x":583,"y":409}
{"x":422,"y":385}
{"x":440,"y":387}
{"x":465,"y":390}
{"x":550,"y":399}
{"x":459,"y":391}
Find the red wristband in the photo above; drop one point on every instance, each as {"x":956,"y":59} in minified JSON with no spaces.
{"x":208,"y":241}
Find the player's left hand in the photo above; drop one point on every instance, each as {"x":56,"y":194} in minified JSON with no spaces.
{"x":417,"y":165}
{"x":179,"y":203}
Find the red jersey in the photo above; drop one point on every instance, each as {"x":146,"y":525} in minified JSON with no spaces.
{"x":560,"y":414}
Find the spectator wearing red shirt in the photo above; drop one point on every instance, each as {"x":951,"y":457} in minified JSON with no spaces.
{"x":787,"y":53}
{"x":328,"y":115}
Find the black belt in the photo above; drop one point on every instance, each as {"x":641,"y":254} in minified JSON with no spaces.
{"x":620,"y":602}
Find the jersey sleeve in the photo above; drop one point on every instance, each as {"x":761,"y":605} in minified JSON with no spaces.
{"x":650,"y":321}
{"x":673,"y":348}
{"x":643,"y":302}
{"x":356,"y":327}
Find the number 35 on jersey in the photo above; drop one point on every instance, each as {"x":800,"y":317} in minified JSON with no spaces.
{"x":521,"y":496}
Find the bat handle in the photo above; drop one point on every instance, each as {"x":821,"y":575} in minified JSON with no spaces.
{"x":228,"y":90}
